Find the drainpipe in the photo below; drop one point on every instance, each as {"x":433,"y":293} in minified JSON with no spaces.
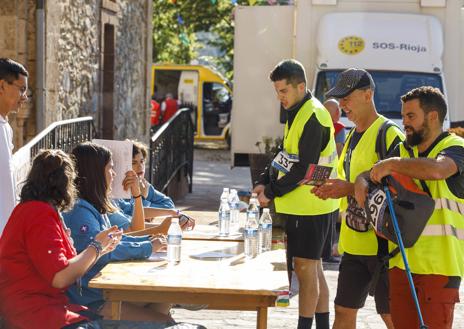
{"x":149,"y":59}
{"x":40,"y":66}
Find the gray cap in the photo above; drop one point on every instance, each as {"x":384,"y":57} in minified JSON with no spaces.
{"x":350,"y":80}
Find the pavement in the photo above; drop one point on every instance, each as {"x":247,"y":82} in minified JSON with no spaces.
{"x":212,"y":172}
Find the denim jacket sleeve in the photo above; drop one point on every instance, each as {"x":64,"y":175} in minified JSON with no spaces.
{"x":120,"y":219}
{"x":157,"y":199}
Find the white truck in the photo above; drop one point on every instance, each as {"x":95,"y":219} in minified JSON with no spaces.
{"x":402,"y":43}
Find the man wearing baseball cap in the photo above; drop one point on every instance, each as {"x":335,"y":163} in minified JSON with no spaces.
{"x":361,"y":247}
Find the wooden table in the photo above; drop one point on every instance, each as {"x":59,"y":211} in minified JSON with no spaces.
{"x":226,"y":282}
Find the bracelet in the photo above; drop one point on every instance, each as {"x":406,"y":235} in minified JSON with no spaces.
{"x":138,"y":196}
{"x":98,"y":248}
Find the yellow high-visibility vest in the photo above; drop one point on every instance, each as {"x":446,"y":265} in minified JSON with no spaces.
{"x":440,"y":248}
{"x":363,"y":158}
{"x":301,"y":201}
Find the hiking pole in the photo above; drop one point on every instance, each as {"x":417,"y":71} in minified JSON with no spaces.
{"x":399,"y":239}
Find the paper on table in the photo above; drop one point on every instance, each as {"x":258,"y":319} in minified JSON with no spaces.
{"x":212,"y":254}
{"x":122,"y":159}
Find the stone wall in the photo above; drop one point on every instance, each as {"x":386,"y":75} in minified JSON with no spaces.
{"x":73,"y":61}
{"x":17,"y":41}
{"x":132,"y":102}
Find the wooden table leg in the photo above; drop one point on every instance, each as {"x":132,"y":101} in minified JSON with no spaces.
{"x":115,"y":310}
{"x":262,"y":318}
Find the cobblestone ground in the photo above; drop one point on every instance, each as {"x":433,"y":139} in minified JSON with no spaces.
{"x":212,"y":172}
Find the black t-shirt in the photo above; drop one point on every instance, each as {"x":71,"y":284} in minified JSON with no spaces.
{"x":456,"y":153}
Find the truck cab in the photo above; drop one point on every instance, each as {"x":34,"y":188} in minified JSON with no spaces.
{"x":400,"y":56}
{"x":200,"y":88}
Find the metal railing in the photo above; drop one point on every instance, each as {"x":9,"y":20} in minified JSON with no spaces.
{"x":62,"y":135}
{"x":171,"y":150}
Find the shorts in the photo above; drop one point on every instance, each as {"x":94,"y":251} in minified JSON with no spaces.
{"x":306,"y":235}
{"x":437,"y":295}
{"x":354,"y":279}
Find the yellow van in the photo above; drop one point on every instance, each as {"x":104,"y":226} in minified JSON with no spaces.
{"x":201,"y":88}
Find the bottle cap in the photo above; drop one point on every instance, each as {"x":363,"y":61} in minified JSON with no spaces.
{"x":175,"y":220}
{"x":225,"y":189}
{"x":254,"y":195}
{"x":266,"y":210}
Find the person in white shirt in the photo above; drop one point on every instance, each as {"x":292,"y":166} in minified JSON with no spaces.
{"x":13,"y":89}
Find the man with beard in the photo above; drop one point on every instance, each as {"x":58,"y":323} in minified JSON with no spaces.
{"x":13,"y":88}
{"x":362,"y":249}
{"x":435,"y":159}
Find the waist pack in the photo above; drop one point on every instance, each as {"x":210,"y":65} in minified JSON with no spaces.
{"x":413,"y":208}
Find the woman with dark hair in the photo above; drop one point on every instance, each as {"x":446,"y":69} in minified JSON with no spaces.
{"x":37,"y":257}
{"x":154,"y":203}
{"x":90,"y":216}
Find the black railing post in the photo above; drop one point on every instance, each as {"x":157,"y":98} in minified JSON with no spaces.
{"x":171,"y":150}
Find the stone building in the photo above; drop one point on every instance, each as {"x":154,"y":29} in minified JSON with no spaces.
{"x":85,"y":57}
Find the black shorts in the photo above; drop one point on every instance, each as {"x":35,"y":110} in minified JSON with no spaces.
{"x":354,"y":278}
{"x":306,"y":235}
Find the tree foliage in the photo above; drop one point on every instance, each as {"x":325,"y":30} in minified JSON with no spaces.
{"x":175,"y":23}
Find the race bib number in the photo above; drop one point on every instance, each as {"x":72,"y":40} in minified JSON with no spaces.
{"x":284,"y":161}
{"x":376,"y":205}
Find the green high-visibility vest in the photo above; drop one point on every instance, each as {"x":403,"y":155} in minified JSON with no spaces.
{"x":301,"y":201}
{"x":363,"y":157}
{"x":440,"y":248}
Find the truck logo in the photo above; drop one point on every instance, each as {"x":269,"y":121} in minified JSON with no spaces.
{"x":351,"y":45}
{"x":399,"y":46}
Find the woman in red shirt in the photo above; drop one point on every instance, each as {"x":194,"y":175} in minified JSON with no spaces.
{"x":37,"y":258}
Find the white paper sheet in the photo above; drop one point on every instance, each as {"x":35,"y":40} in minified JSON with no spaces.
{"x":122,"y":159}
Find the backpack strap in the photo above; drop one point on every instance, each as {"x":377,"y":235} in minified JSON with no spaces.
{"x":381,"y":141}
{"x":347,"y":159}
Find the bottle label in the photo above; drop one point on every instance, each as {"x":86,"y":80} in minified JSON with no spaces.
{"x":224,"y":215}
{"x":251,"y":232}
{"x":266,"y":226}
{"x":252,"y":214}
{"x":174,"y":239}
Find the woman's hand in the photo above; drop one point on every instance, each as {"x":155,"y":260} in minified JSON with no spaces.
{"x":131,"y":181}
{"x":144,"y":187}
{"x":159,"y":243}
{"x":186,"y":223}
{"x":109,"y":239}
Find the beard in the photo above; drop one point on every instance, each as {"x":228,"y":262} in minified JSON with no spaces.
{"x":417,"y":136}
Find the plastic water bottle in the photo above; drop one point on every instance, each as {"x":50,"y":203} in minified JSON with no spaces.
{"x":224,"y":214}
{"x":254,"y":199}
{"x":174,"y":242}
{"x":265,"y":231}
{"x":234,"y":202}
{"x":251,"y":231}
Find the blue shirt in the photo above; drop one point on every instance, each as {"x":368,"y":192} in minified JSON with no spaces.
{"x":154,"y":199}
{"x":85,"y":223}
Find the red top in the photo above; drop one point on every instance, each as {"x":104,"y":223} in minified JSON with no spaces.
{"x":34,"y":246}
{"x":171,"y":109}
{"x":338,"y":126}
{"x":155,"y":113}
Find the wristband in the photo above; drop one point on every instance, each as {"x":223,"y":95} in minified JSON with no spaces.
{"x":138,"y":196}
{"x":97,"y":246}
